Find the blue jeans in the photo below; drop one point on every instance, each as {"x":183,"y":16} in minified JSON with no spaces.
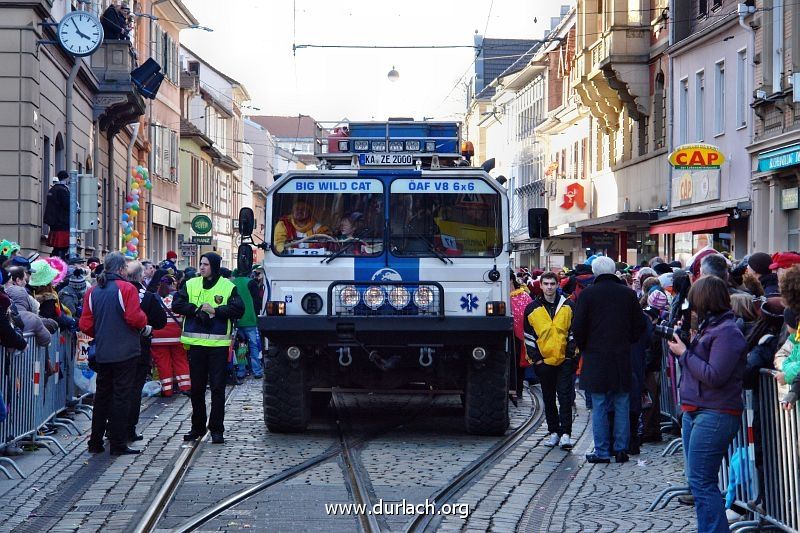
{"x":254,"y":344}
{"x":602,"y":436}
{"x":706,"y":437}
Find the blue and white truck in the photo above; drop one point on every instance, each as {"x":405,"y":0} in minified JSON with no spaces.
{"x":387,"y":269}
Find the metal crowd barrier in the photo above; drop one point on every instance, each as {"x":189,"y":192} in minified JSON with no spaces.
{"x":774,"y":499}
{"x":37,"y":393}
{"x":780,"y":448}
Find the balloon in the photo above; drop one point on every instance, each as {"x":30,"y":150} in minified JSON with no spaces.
{"x":136,"y":205}
{"x":129,"y":198}
{"x":134,"y":241}
{"x":135,"y":233}
{"x":145,"y":173}
{"x":148,"y":185}
{"x":135,"y":185}
{"x":140,"y":168}
{"x":131,"y":247}
{"x":124,"y":216}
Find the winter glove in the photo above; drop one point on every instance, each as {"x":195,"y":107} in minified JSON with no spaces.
{"x":789,"y":398}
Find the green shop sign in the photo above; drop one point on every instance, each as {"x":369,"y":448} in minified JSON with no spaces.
{"x":781,"y":158}
{"x":201,"y":224}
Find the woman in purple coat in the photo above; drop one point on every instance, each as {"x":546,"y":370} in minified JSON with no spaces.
{"x":711,"y":396}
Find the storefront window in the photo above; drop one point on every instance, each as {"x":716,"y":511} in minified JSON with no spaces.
{"x":646,"y":246}
{"x":688,"y":244}
{"x":794,"y":229}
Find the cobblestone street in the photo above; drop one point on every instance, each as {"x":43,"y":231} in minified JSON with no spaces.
{"x":532,"y":488}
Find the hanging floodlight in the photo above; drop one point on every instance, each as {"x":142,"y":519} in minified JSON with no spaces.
{"x":393,"y":75}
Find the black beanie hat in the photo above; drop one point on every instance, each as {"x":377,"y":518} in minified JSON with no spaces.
{"x":214,"y":260}
{"x":790,"y":318}
{"x":760,"y":262}
{"x":662,"y":268}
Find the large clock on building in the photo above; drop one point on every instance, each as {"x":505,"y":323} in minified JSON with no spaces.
{"x":80,"y":33}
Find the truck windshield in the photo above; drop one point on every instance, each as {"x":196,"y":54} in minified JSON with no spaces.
{"x":322,"y":216}
{"x":439,"y":216}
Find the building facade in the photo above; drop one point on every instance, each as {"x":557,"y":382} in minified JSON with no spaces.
{"x":775,"y":146}
{"x":212,"y":144}
{"x":710,"y":83}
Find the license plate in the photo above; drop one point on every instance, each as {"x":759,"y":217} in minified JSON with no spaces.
{"x":386,"y":159}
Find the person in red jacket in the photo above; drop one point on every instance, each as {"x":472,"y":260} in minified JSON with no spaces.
{"x":113,"y":317}
{"x":168,"y":352}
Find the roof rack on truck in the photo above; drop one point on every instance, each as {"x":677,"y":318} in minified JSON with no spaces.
{"x":395,"y":143}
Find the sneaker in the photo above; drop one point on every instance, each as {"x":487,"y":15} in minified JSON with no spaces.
{"x":566,"y":442}
{"x":552,"y":440}
{"x":621,"y":457}
{"x":596,"y":459}
{"x":732,"y":516}
{"x":686,"y":499}
{"x":217,"y":438}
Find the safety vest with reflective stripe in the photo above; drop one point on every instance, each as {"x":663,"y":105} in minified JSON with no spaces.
{"x":219,"y":332}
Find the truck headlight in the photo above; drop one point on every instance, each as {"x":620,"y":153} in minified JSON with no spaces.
{"x":412,"y":146}
{"x":423,"y":297}
{"x":349,"y":296}
{"x":398,"y":296}
{"x":374,"y":297}
{"x":361,"y":146}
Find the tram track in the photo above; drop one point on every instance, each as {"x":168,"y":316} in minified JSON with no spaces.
{"x":346,"y":450}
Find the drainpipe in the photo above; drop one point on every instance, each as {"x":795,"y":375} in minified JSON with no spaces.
{"x":73,"y":179}
{"x":96,"y":172}
{"x":670,"y":114}
{"x":743,"y":11}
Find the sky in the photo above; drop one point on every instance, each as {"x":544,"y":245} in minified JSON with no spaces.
{"x":252,"y":43}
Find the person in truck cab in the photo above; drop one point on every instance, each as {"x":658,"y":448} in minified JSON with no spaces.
{"x":297,"y":226}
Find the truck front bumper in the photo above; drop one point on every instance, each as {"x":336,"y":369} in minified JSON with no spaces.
{"x":408,"y":331}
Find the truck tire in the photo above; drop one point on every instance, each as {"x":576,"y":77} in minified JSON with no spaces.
{"x":486,"y":396}
{"x":287,"y":398}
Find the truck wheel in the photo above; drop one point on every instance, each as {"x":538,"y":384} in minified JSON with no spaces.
{"x":486,"y":396}
{"x":287,"y":401}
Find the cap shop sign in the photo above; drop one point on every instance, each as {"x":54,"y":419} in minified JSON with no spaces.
{"x":696,"y":157}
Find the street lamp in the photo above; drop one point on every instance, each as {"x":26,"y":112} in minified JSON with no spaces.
{"x":393,"y":75}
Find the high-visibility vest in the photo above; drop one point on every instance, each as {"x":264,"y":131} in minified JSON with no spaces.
{"x":219,"y":333}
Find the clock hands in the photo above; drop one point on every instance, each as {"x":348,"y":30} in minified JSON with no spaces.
{"x":83,"y":35}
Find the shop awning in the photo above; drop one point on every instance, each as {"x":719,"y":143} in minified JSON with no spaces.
{"x":692,"y":225}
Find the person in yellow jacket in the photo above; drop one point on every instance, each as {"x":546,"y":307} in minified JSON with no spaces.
{"x":551,"y":349}
{"x":209,"y":304}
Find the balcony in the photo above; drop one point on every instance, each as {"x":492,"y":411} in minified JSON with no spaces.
{"x":117,"y":102}
{"x":190,"y":81}
{"x":612,"y":74}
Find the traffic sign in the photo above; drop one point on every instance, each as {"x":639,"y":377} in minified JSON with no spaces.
{"x":197,"y":239}
{"x":188,"y":250}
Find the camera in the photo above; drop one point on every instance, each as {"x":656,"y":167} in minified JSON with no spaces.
{"x":666,"y":331}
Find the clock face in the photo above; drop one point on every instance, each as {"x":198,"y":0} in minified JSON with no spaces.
{"x":80,"y":33}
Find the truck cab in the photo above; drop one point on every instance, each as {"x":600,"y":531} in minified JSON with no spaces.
{"x":387,"y":269}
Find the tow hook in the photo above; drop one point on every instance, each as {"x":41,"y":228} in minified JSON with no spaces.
{"x":425,"y":356}
{"x":345,"y":359}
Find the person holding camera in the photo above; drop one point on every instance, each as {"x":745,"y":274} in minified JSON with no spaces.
{"x":209,"y":304}
{"x":713,"y":367}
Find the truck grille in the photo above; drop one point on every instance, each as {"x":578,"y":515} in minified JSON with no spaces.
{"x":385,"y":298}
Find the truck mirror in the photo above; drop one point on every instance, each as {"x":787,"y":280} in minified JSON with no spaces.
{"x":246,"y":223}
{"x":538,"y":225}
{"x":244,"y":258}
